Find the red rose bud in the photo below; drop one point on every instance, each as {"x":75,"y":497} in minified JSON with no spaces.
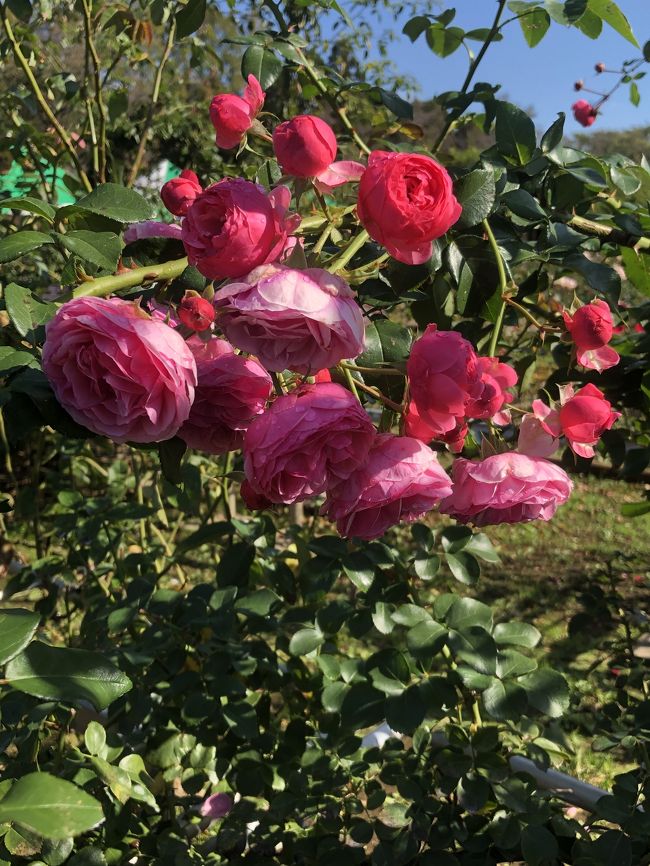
{"x":179,"y":193}
{"x":584,"y":112}
{"x":599,"y":67}
{"x":232,"y":116}
{"x":195,"y":312}
{"x":591,"y":328}
{"x":304,"y":146}
{"x":578,"y":85}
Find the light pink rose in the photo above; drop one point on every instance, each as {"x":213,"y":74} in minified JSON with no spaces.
{"x":534,"y":438}
{"x":231,"y":391}
{"x":338,"y":173}
{"x":117,"y":371}
{"x":216,"y":806}
{"x":232,"y":116}
{"x":152,"y":229}
{"x":307,"y":441}
{"x":400,"y":481}
{"x":444,"y":376}
{"x":234,"y":226}
{"x":506,"y":488}
{"x":591,"y":328}
{"x":291,"y":319}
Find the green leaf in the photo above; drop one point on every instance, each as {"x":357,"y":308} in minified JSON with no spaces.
{"x":15,"y":245}
{"x":523,"y":205}
{"x":11,"y":358}
{"x":635,"y":509}
{"x":547,"y":691}
{"x":476,"y":192}
{"x":443,"y":41}
{"x":534,"y":26}
{"x":190,"y":18}
{"x":306,"y":640}
{"x":25,"y":311}
{"x":481,"y":546}
{"x":405,"y":712}
{"x":464,"y":567}
{"x":466,"y":612}
{"x":17,"y":628}
{"x":426,"y":567}
{"x":426,"y":638}
{"x":475,"y":647}
{"x":553,"y":135}
{"x":114,"y":202}
{"x":515,"y":133}
{"x":65,"y":674}
{"x":392,"y":101}
{"x":362,"y":706}
{"x":241,"y":719}
{"x":386,"y":344}
{"x":516,"y":634}
{"x":53,"y":808}
{"x":21,"y":8}
{"x":612,"y":848}
{"x":416,"y":26}
{"x":600,"y":277}
{"x":95,"y":739}
{"x":646,"y":51}
{"x":99,"y":248}
{"x":504,"y":700}
{"x":539,"y":845}
{"x":261,"y":63}
{"x":635,"y":96}
{"x":612,"y":15}
{"x":511,"y":663}
{"x":360,"y":569}
{"x":31,"y":205}
{"x":171,"y":453}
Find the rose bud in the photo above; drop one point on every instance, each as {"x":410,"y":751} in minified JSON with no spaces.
{"x":599,"y":67}
{"x":406,"y":201}
{"x":506,"y":488}
{"x":307,"y":441}
{"x":232,"y":116}
{"x":591,"y":328}
{"x":179,"y":193}
{"x":304,"y":146}
{"x":235,"y":226}
{"x":117,"y":371}
{"x":583,"y":418}
{"x":195,"y":312}
{"x":578,"y":85}
{"x":400,"y":481}
{"x":584,"y":112}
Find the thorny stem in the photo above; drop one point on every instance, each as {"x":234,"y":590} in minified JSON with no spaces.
{"x":376,"y":393}
{"x":42,"y":101}
{"x":339,"y":262}
{"x":103,"y":286}
{"x":608,"y":233}
{"x":385,"y":371}
{"x":503,"y":285}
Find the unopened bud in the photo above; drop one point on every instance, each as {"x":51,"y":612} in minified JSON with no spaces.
{"x":195,"y":312}
{"x":599,"y":67}
{"x":579,"y":85}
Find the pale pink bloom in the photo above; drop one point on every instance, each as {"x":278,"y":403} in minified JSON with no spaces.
{"x":232,"y":116}
{"x":301,"y":320}
{"x":338,"y":173}
{"x":400,"y":481}
{"x":231,"y":391}
{"x":307,"y":441}
{"x":117,"y":371}
{"x":235,"y":226}
{"x":506,"y":488}
{"x":534,"y":438}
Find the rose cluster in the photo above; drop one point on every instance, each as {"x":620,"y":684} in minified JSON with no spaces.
{"x":260,"y":362}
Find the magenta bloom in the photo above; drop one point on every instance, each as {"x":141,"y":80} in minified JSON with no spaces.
{"x":292,"y":320}
{"x":216,"y":806}
{"x":117,"y":371}
{"x":304,"y":146}
{"x":496,"y":378}
{"x":400,"y":481}
{"x":584,"y":112}
{"x":506,"y":488}
{"x":178,"y":194}
{"x":444,"y":376}
{"x":406,"y":201}
{"x":591,"y":328}
{"x":306,"y":442}
{"x":231,"y":391}
{"x":234,"y":226}
{"x":232,"y":116}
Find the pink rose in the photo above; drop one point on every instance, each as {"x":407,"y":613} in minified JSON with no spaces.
{"x":406,"y":200}
{"x":304,"y":146}
{"x":291,"y":319}
{"x":400,"y":481}
{"x":195,"y":312}
{"x":584,"y":112}
{"x":307,"y":441}
{"x":591,"y":328}
{"x":232,"y":116}
{"x":216,"y":806}
{"x":506,"y":488}
{"x":582,"y":417}
{"x":417,"y":428}
{"x":253,"y":500}
{"x":338,"y":173}
{"x":534,"y":437}
{"x":178,"y":194}
{"x":444,"y":376}
{"x":496,"y":378}
{"x":152,"y":229}
{"x":235,"y":226}
{"x":117,"y":371}
{"x":231,"y":391}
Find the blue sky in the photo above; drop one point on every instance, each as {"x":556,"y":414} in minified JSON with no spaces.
{"x":540,"y":78}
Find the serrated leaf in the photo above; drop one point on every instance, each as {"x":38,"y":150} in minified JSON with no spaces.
{"x":464,"y":567}
{"x":29,"y":204}
{"x":114,"y":202}
{"x":476,"y":192}
{"x":553,"y":135}
{"x":17,"y":628}
{"x":515,"y":133}
{"x":467,"y":612}
{"x":534,"y":26}
{"x":612,"y":15}
{"x":190,"y":18}
{"x":547,"y":691}
{"x":504,"y":700}
{"x":516,"y":634}
{"x":99,"y":248}
{"x":18,"y":244}
{"x":51,"y":807}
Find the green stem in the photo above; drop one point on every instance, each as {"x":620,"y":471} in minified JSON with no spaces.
{"x":103,"y":286}
{"x":349,"y":378}
{"x":103,"y":115}
{"x":470,"y":73}
{"x":524,"y":312}
{"x":503,"y":284}
{"x":339,"y":262}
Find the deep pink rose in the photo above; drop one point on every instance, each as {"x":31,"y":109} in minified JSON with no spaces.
{"x":117,"y":371}
{"x":232,"y":116}
{"x":252,"y":499}
{"x":235,"y":226}
{"x":417,"y":428}
{"x":231,"y":391}
{"x":591,"y":328}
{"x":444,"y":376}
{"x":195,"y":312}
{"x":216,"y":806}
{"x":178,"y":194}
{"x":291,"y":319}
{"x":584,"y":112}
{"x":307,"y":441}
{"x":400,"y":481}
{"x":506,"y":488}
{"x":496,"y":378}
{"x":406,"y":200}
{"x":304,"y":146}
